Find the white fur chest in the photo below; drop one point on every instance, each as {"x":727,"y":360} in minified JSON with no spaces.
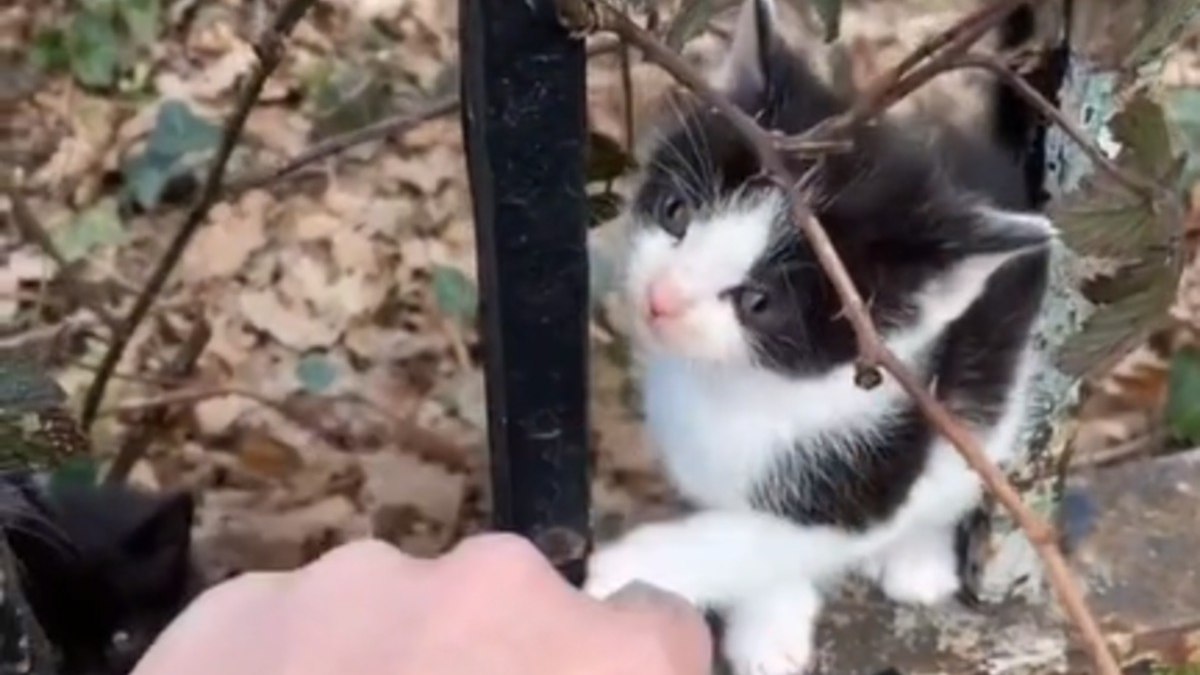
{"x":719,"y":430}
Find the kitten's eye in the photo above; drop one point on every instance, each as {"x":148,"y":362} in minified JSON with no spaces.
{"x":121,"y":640}
{"x":674,"y":215}
{"x":752,"y":300}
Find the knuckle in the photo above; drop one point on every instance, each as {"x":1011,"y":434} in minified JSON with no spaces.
{"x":506,"y":557}
{"x":503,"y":548}
{"x":365,"y":558}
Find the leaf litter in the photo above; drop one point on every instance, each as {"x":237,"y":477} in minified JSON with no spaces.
{"x":344,"y":392}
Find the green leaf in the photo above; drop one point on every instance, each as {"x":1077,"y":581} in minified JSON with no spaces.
{"x":830,"y":12}
{"x":178,"y":131}
{"x":693,"y":16}
{"x":316,"y":372}
{"x":1115,"y":328}
{"x":49,"y":50}
{"x":92,"y":228}
{"x":603,"y":207}
{"x":75,"y":471}
{"x":94,"y":48}
{"x":606,"y":158}
{"x":1183,"y":394}
{"x":1142,"y":127}
{"x":454,"y":293}
{"x":1102,"y":217}
{"x":146,"y":176}
{"x":141,"y":18}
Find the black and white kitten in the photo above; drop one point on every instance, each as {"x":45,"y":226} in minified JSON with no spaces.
{"x":104,"y":568}
{"x":800,"y":476}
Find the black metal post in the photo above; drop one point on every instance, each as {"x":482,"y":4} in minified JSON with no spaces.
{"x":524,"y":119}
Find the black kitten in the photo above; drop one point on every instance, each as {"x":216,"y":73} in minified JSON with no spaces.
{"x":105,"y":568}
{"x":800,"y":475}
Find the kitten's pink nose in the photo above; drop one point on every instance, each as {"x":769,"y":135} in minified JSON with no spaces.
{"x":665,"y":298}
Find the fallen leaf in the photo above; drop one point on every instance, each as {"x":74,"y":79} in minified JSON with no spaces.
{"x":400,"y":486}
{"x":286,"y":321}
{"x":265,"y":455}
{"x":234,"y":534}
{"x":233,"y":234}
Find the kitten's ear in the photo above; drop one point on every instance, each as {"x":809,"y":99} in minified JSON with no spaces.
{"x":745,"y":66}
{"x":998,"y":237}
{"x":166,"y":526}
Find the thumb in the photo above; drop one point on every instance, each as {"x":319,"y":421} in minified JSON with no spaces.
{"x":676,"y":623}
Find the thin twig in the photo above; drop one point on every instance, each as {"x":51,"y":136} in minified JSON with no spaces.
{"x":32,"y":230}
{"x":390,"y":126}
{"x":405,"y":431}
{"x":142,"y":432}
{"x":387,"y":127}
{"x":627,"y":94}
{"x":1135,"y":183}
{"x":966,"y":31}
{"x":872,"y":350}
{"x":269,"y":49}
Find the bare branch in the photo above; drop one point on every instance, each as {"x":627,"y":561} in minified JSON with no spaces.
{"x":380,"y":130}
{"x":269,"y":49}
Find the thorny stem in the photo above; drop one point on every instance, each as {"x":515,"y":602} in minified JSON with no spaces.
{"x":1135,"y":183}
{"x":270,"y":52}
{"x":932,"y":58}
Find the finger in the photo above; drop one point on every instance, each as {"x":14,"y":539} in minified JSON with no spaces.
{"x":359,"y":571}
{"x":673,"y":633}
{"x":502,"y":566}
{"x":211,"y":631}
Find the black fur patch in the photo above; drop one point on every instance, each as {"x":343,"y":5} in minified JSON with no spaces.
{"x":105,"y":568}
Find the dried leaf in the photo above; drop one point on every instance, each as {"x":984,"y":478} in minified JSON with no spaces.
{"x":606,"y":158}
{"x":603,"y":207}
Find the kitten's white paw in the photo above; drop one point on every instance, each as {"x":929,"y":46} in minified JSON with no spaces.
{"x":921,"y":571}
{"x":638,"y":557}
{"x":772,"y":634}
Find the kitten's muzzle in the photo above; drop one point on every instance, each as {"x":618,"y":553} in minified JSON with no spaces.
{"x":665,"y":299}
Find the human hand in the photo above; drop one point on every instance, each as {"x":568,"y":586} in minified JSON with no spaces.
{"x":491,"y":606}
